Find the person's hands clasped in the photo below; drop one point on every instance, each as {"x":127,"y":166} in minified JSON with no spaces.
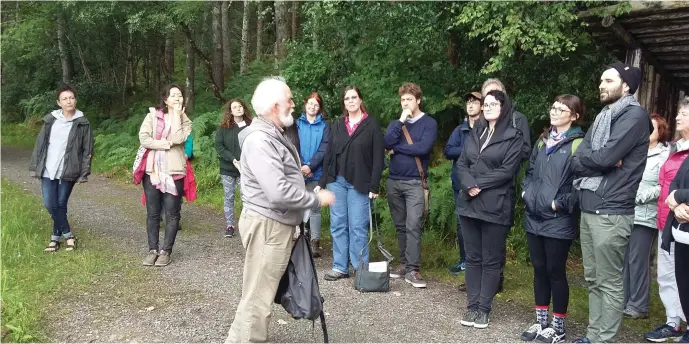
{"x":305,"y":170}
{"x":682,"y":213}
{"x":372,"y":195}
{"x":325,"y":197}
{"x":671,"y":202}
{"x":473,"y":192}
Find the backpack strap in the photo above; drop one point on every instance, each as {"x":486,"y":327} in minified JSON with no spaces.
{"x":575,"y":144}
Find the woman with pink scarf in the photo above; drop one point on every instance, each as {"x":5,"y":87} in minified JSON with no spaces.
{"x":163,"y":133}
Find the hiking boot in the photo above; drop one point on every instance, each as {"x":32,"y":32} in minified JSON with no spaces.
{"x":163,"y":258}
{"x":316,"y":248}
{"x":458,"y":268}
{"x":582,"y":340}
{"x":469,"y":318}
{"x":662,"y":333}
{"x":531,"y":333}
{"x":414,"y":278}
{"x":150,"y":258}
{"x":229,"y":232}
{"x":482,"y":320}
{"x":549,"y":335}
{"x":333,"y":275}
{"x":399,"y":272}
{"x":630,"y":313}
{"x":462,"y":287}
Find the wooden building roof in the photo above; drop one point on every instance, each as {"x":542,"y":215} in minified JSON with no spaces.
{"x":660,"y":29}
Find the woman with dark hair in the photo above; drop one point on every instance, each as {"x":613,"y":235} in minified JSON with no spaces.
{"x":549,"y":221}
{"x":163,"y":133}
{"x":62,"y":157}
{"x":637,"y":258}
{"x":487,"y":169}
{"x":235,"y":120}
{"x":314,"y":131}
{"x":352,"y":169}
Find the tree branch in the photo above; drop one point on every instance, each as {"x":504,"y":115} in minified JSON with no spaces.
{"x":206,"y":61}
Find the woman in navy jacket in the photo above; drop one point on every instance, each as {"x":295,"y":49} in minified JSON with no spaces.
{"x":313,"y":132}
{"x":549,"y":222}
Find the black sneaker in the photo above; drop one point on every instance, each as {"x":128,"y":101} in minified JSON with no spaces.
{"x":458,"y":268}
{"x":333,"y":275}
{"x":469,"y":318}
{"x":531,"y":333}
{"x":549,"y":335}
{"x":414,"y":278}
{"x":482,"y":320}
{"x":662,"y":333}
{"x":229,"y":232}
{"x":399,"y":272}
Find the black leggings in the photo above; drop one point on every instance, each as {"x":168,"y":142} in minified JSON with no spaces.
{"x":549,"y":259}
{"x":682,"y":274}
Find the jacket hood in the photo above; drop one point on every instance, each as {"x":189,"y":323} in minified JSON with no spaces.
{"x":259,"y":124}
{"x":58,"y":115}
{"x":504,"y":121}
{"x":303,"y":118}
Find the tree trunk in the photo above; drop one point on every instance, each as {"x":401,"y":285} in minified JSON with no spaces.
{"x":244,"y":63}
{"x":155,"y":68}
{"x":218,"y":70}
{"x":65,"y":56}
{"x":189,"y":81}
{"x":295,"y":20}
{"x":169,"y":58}
{"x":226,"y":52}
{"x":281,"y":28}
{"x":259,"y":30}
{"x":207,"y":62}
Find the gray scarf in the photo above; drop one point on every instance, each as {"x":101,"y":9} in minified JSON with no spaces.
{"x":601,"y":134}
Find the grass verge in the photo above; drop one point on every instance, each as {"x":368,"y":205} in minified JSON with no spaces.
{"x":19,"y":134}
{"x":32,"y":281}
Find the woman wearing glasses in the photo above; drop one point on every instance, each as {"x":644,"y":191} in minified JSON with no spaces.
{"x":352,"y":169}
{"x":487,"y":168}
{"x":549,"y":222}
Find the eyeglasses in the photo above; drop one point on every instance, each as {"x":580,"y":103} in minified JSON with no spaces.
{"x":491,"y":105}
{"x":558,"y":111}
{"x":473,"y":101}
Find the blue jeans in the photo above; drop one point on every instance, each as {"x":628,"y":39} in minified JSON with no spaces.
{"x":55,"y":197}
{"x":460,"y":236}
{"x":349,"y":221}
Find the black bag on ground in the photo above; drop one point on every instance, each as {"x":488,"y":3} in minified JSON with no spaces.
{"x":373,"y":281}
{"x":298,"y":291}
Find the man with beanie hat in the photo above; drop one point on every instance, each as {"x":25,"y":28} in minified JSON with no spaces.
{"x":608,"y":166}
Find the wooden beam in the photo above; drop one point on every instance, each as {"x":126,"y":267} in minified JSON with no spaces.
{"x":638,"y":8}
{"x":659,"y":17}
{"x":632,"y":43}
{"x":679,"y":33}
{"x":662,"y":40}
{"x":665,"y":28}
{"x":680,"y":48}
{"x":670,"y":67}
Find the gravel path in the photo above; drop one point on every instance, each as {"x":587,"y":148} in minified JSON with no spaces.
{"x":194,"y":298}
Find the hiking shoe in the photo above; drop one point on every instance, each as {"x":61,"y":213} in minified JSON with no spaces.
{"x":458,"y":268}
{"x":414,"y":278}
{"x":482,"y":320}
{"x":333,"y":275}
{"x":630,"y":313}
{"x":662,"y":333}
{"x":150,"y":258}
{"x":229,"y":232}
{"x":163,"y":258}
{"x":469,"y":318}
{"x":582,"y":340}
{"x":549,"y":335}
{"x":398,"y":273}
{"x":316,"y":248}
{"x":462,"y":287}
{"x":531,"y":333}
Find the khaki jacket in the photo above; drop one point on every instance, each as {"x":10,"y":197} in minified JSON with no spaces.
{"x":173,"y":146}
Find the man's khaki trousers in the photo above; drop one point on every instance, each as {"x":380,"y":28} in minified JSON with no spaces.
{"x":268,"y":246}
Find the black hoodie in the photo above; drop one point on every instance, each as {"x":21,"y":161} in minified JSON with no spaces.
{"x":493,"y":170}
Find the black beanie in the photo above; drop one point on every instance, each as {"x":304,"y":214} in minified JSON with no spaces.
{"x":630,"y":74}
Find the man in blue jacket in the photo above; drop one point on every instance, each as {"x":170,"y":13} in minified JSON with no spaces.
{"x":453,"y":149}
{"x":408,"y":165}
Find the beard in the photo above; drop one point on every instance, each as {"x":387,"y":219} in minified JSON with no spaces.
{"x":286,"y":120}
{"x":610,"y":96}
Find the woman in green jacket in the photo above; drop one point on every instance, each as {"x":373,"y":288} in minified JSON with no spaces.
{"x":236,"y":118}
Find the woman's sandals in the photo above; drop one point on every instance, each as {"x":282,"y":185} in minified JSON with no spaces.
{"x":71,"y":244}
{"x":53,"y":246}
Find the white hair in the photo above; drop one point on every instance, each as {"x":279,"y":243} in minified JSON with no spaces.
{"x":492,"y":81}
{"x":268,"y":93}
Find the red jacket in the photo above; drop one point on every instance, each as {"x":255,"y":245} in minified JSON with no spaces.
{"x":665,"y":177}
